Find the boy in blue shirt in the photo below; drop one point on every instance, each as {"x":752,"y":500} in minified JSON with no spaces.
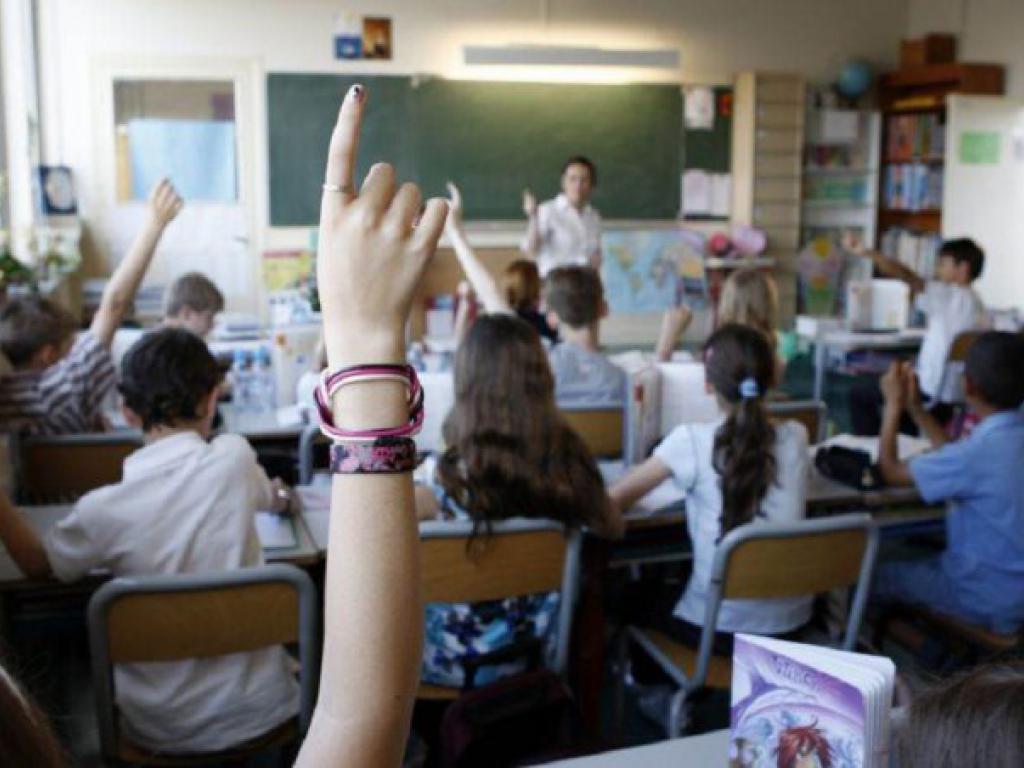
{"x":979,"y":578}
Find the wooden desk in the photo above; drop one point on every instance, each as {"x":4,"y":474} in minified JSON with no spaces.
{"x":708,"y":750}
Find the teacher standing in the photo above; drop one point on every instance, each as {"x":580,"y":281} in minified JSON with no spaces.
{"x":565,"y":231}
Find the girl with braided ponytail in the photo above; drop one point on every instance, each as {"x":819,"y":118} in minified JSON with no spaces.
{"x":737,"y":470}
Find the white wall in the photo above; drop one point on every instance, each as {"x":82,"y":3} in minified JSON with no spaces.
{"x":988,"y":32}
{"x":716,"y":39}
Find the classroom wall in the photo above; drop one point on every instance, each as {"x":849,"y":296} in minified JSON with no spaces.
{"x":716,"y":39}
{"x":988,"y":31}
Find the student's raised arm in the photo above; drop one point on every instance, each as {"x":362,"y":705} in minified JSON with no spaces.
{"x":482,"y":282}
{"x":887,"y":266}
{"x":531,"y":243}
{"x":372,"y":254}
{"x":164,"y":204}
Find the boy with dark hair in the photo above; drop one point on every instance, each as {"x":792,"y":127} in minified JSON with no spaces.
{"x":193,"y":302}
{"x":59,"y":382}
{"x":185,"y":505}
{"x":574,"y":297}
{"x":952,"y":307}
{"x":980,"y":576}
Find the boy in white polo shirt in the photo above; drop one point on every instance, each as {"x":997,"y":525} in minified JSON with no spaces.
{"x":184,"y":505}
{"x":952,"y":307}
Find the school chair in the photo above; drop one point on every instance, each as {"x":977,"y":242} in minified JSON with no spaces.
{"x":57,"y":469}
{"x":188,"y":616}
{"x":760,"y":561}
{"x":518,"y":557}
{"x":941,"y":641}
{"x":813,"y":414}
{"x":309,"y":441}
{"x":602,"y":429}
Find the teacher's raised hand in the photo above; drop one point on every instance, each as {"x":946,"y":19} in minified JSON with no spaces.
{"x":374,"y":246}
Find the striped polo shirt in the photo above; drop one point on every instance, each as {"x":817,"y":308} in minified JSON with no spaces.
{"x":67,"y":397}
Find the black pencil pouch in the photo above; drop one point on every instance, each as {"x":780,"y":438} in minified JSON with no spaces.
{"x":848,"y":466}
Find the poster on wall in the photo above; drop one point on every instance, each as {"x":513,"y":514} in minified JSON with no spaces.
{"x":362,"y":37}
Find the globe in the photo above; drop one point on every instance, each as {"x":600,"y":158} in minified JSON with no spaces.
{"x":854,"y":79}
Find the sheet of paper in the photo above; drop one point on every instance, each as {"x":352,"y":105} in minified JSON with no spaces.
{"x":909,"y":447}
{"x":699,"y":107}
{"x":684,"y":399}
{"x":438,"y":398}
{"x":276,"y":531}
{"x":839,"y":126}
{"x":720,"y":203}
{"x":696,"y":193}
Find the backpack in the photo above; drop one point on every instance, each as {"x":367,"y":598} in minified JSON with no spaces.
{"x":521,"y":718}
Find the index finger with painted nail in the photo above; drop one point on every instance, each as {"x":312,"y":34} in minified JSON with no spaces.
{"x":339,"y":177}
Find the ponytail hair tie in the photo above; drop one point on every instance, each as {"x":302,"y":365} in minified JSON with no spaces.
{"x":749,"y":389}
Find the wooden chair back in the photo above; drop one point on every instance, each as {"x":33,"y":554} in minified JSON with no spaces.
{"x":61,"y":468}
{"x":195,"y":616}
{"x":602,"y":429}
{"x":518,"y":557}
{"x":813,"y":414}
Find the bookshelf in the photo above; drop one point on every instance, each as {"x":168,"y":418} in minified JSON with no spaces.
{"x":912,"y":155}
{"x":913,"y":142}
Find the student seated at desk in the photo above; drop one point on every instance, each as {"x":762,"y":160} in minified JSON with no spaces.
{"x":510,"y":454}
{"x":750,"y":297}
{"x":193,"y":302}
{"x":574,"y":298}
{"x":521,"y":286}
{"x":951,"y":307}
{"x":980,"y":576}
{"x":185,"y":505}
{"x":737,"y":470}
{"x":60,"y":383}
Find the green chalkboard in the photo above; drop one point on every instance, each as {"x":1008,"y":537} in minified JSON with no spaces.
{"x":711,"y":149}
{"x":302,"y":110}
{"x":492,"y":138}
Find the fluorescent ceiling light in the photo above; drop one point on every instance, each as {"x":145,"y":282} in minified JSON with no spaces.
{"x":563,"y":55}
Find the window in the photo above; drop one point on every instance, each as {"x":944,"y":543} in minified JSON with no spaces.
{"x":182,"y":129}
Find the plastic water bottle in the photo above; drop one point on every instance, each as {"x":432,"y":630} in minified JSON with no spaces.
{"x":263,"y":379}
{"x":241,"y":381}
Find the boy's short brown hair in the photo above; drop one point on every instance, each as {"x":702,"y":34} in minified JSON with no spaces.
{"x":575,"y":294}
{"x":29,"y":323}
{"x":196,"y":292}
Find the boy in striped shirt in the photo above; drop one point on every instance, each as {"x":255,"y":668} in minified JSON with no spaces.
{"x":59,"y":382}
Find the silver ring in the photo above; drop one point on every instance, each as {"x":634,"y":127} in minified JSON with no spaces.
{"x":345,"y":188}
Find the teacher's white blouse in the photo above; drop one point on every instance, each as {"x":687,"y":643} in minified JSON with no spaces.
{"x":568,"y":236}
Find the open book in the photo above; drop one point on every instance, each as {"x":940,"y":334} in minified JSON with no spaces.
{"x":796,"y":704}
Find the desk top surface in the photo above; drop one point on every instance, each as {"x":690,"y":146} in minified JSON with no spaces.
{"x":708,"y":750}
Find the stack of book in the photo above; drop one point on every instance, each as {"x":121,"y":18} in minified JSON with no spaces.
{"x":915,"y":137}
{"x":916,"y":251}
{"x":913,"y":187}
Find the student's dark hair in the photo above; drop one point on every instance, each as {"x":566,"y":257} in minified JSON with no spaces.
{"x":29,"y":323}
{"x":575,"y":294}
{"x":26,"y":737}
{"x":195,"y":291}
{"x":585,"y":161}
{"x":995,"y":367}
{"x":510,"y":453}
{"x":166,"y":376}
{"x":963,"y":250}
{"x":739,"y":365}
{"x":973,"y":719}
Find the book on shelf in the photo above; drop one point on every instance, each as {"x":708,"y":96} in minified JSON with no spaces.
{"x":916,"y":251}
{"x":796,"y":704}
{"x":915,"y":137}
{"x":912,"y":187}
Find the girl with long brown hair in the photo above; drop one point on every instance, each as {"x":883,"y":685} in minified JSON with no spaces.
{"x":737,"y":470}
{"x":510,"y":454}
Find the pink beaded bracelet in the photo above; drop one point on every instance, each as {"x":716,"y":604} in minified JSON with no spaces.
{"x":332,"y":381}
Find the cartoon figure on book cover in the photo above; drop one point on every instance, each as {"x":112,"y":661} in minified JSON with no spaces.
{"x":803,"y":747}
